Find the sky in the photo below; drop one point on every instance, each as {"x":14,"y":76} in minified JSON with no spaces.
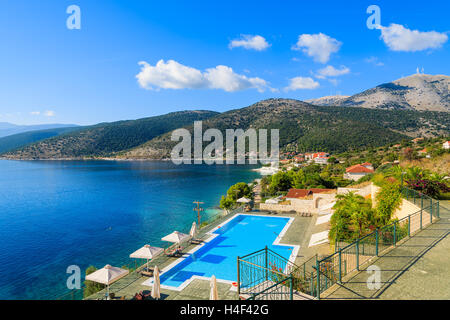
{"x":120,"y":60}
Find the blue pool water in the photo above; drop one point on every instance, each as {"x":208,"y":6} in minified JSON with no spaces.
{"x":54,"y":214}
{"x":240,"y":236}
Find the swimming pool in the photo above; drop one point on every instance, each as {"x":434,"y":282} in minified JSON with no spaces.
{"x":240,"y":235}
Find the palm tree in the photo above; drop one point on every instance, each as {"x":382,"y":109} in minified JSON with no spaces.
{"x":362,"y":216}
{"x":438,"y":177}
{"x":351,"y":209}
{"x":395,"y":172}
{"x":415,"y":173}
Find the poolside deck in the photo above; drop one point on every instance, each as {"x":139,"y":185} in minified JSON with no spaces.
{"x":298,"y":233}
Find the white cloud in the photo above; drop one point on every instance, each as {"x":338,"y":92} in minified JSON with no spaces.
{"x":170,"y":75}
{"x":318,"y":46}
{"x":223,"y":77}
{"x":35,"y":113}
{"x":250,"y":42}
{"x":300,"y":83}
{"x":173,"y":75}
{"x":374,"y":61}
{"x":399,"y":38}
{"x":49,"y":113}
{"x":330,"y":71}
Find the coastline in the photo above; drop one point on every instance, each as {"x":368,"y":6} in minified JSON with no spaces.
{"x":98,"y":205}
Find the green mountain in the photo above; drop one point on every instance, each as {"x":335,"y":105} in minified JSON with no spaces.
{"x":106,"y":138}
{"x":305,"y":127}
{"x":15,"y":141}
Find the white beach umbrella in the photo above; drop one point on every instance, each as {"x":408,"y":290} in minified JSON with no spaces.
{"x":214,"y":295}
{"x":156,"y":287}
{"x":243,"y":200}
{"x":176,"y":237}
{"x":107,"y":275}
{"x":272,"y":201}
{"x":146,"y":252}
{"x":193,"y":229}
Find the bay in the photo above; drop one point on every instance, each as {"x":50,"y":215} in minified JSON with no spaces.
{"x":54,"y":214}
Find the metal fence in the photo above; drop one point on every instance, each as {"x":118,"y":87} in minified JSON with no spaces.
{"x":264,"y":274}
{"x":281,"y":290}
{"x":349,"y":257}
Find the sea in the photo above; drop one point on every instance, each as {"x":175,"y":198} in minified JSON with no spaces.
{"x":57,"y":214}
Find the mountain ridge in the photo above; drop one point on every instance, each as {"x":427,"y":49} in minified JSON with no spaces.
{"x":105,"y":138}
{"x":421,"y":92}
{"x":305,"y":127}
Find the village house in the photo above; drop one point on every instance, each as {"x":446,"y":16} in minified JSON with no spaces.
{"x":322,"y":157}
{"x":358,"y":171}
{"x":310,"y":200}
{"x":368,"y":165}
{"x":422,"y":152}
{"x":309,"y":156}
{"x":299,"y":158}
{"x":297,"y":194}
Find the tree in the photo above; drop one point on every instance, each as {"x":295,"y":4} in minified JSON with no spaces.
{"x":332,"y":160}
{"x":236,"y":191}
{"x":226,"y":203}
{"x":388,"y":199}
{"x":265,"y":183}
{"x":415,"y":173}
{"x":239,"y":190}
{"x":281,"y":181}
{"x":351,"y":213}
{"x":362,"y":215}
{"x":90,"y":286}
{"x":298,"y":179}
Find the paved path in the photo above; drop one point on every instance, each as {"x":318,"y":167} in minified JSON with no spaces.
{"x":419,"y":268}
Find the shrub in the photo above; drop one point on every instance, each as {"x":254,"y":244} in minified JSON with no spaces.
{"x":90,"y":286}
{"x":429,"y":187}
{"x":388,"y":200}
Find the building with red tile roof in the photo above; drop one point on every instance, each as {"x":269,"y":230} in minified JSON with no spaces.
{"x":302,"y":193}
{"x":358,"y":171}
{"x":298,"y":193}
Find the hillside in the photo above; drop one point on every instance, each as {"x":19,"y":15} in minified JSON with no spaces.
{"x":7,"y":129}
{"x":15,"y":141}
{"x":420,"y":92}
{"x":103,"y":139}
{"x":328,"y":100}
{"x":304,"y":127}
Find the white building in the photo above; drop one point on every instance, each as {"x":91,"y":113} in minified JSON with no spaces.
{"x":358,"y":171}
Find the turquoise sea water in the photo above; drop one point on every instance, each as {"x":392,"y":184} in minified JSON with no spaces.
{"x":59,"y":213}
{"x":240,"y":236}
